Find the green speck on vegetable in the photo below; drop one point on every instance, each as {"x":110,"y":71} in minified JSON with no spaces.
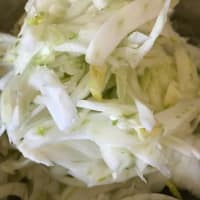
{"x":37,"y":19}
{"x":41,"y":131}
{"x":72,"y":36}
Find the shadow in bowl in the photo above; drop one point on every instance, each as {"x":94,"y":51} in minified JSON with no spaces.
{"x":10,"y":12}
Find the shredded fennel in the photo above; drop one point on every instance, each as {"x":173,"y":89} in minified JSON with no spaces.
{"x":101,"y":94}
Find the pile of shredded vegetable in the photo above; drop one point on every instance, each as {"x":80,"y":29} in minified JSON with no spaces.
{"x":104,"y":96}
